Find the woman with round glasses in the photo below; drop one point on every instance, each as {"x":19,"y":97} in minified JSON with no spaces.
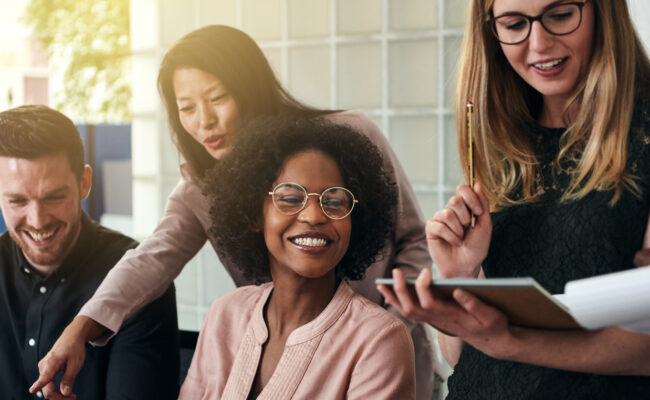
{"x":211,"y":81}
{"x":303,"y":202}
{"x":562,"y":97}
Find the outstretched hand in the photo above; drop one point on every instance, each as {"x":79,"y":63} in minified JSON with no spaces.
{"x":67,"y":356}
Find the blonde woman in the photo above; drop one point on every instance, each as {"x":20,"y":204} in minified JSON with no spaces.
{"x":562,"y":156}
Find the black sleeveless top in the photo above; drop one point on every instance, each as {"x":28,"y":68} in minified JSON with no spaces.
{"x":555,"y":242}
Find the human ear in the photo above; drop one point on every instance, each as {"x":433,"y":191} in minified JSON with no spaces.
{"x":86,"y":181}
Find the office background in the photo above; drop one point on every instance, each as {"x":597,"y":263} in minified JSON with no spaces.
{"x":392,"y":59}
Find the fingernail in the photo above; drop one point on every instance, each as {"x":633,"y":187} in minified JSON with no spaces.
{"x":65,"y":390}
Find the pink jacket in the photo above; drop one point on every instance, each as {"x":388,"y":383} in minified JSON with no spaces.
{"x":353,"y":350}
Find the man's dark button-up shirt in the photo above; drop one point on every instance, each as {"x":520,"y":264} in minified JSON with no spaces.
{"x":140,"y":362}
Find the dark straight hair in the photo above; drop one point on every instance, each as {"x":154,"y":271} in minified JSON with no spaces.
{"x":35,"y":131}
{"x":238,"y":63}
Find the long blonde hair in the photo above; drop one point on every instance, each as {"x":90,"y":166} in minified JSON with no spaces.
{"x":505,"y":162}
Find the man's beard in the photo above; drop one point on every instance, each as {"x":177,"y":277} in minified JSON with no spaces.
{"x":54,"y":254}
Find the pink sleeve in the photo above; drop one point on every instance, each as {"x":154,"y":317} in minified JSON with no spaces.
{"x":144,"y":273}
{"x":386,"y":368}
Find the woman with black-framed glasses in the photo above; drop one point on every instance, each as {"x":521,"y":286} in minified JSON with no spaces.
{"x":561,"y":94}
{"x":283,"y":206}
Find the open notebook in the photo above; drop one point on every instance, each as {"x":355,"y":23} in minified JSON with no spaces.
{"x":622,"y":298}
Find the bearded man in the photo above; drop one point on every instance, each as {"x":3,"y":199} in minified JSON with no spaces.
{"x":52,"y":259}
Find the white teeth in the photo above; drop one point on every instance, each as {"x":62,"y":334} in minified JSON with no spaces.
{"x":550,"y":64}
{"x":40,"y":236}
{"x":310,"y":242}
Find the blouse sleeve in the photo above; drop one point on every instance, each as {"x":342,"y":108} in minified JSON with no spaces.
{"x":386,"y":369}
{"x":144,"y":273}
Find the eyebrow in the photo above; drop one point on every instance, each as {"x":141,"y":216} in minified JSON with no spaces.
{"x":550,"y":5}
{"x":214,"y":86}
{"x":57,"y":191}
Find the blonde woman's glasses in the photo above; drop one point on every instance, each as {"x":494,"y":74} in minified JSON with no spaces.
{"x":559,"y":19}
{"x":291,"y":198}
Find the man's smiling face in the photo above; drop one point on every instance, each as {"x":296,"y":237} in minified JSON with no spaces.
{"x":41,"y":205}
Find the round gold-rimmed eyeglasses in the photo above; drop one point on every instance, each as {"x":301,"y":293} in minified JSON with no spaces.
{"x":291,"y":198}
{"x":559,"y":19}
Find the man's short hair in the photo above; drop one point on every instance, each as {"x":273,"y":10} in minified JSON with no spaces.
{"x":35,"y":131}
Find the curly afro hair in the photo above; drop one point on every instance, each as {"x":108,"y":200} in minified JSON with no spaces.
{"x":238,"y":184}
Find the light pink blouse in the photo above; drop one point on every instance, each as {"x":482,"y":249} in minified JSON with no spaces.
{"x":353,"y":350}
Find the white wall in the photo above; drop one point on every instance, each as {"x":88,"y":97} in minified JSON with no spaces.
{"x":640,"y":10}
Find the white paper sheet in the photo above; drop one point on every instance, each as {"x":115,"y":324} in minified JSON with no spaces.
{"x":621,"y":298}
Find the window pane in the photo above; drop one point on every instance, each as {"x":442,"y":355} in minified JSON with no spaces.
{"x":414,"y":140}
{"x":453,"y":173}
{"x":223,"y":12}
{"x":406,"y":15}
{"x":359,"y":75}
{"x":175,"y":21}
{"x":428,"y":204}
{"x":145,"y":144}
{"x":261,"y":19}
{"x":455,"y":14}
{"x":189,"y":319}
{"x":413,"y":71}
{"x":359,"y":16}
{"x":309,"y":75}
{"x":309,"y":18}
{"x":452,"y":52}
{"x":148,"y":203}
{"x":215,"y":279}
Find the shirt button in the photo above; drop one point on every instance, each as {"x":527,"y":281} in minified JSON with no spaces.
{"x":31,"y":342}
{"x":39,"y":394}
{"x":62,"y":280}
{"x":43,"y":289}
{"x":26,"y":270}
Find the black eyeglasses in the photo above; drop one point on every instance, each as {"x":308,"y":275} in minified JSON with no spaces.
{"x":559,"y":19}
{"x":291,"y":198}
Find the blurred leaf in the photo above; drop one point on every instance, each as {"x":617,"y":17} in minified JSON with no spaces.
{"x":88,"y":45}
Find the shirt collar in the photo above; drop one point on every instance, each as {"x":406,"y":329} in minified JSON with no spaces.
{"x":317,"y":326}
